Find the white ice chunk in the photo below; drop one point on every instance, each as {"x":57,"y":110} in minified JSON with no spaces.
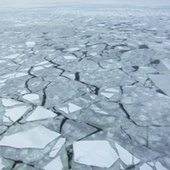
{"x":38,"y":68}
{"x":48,"y":65}
{"x":73,"y":108}
{"x":102,"y":112}
{"x":42,"y":63}
{"x":112,"y":90}
{"x":96,"y":109}
{"x":20,"y":74}
{"x":30,"y":44}
{"x":6,"y":119}
{"x":8,"y":76}
{"x":57,"y":147}
{"x":73,"y":49}
{"x":108,"y":95}
{"x":3,"y":61}
{"x":32,"y":97}
{"x":94,"y":153}
{"x":101,"y":25}
{"x":37,"y":137}
{"x":124,"y":155}
{"x":23,"y":91}
{"x":145,"y":167}
{"x":159,"y":166}
{"x":40,"y":113}
{"x":9,"y":102}
{"x":55,"y":164}
{"x":12,"y":56}
{"x":15,"y":113}
{"x":162,"y":82}
{"x":93,"y":54}
{"x":70,"y":57}
{"x":121,"y":167}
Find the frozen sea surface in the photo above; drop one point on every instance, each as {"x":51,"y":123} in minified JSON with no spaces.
{"x":85,"y":86}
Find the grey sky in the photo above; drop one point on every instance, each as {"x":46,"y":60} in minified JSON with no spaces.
{"x":21,"y":2}
{"x":131,"y":2}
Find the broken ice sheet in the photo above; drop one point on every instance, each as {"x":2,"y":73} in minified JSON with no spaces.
{"x":94,"y":153}
{"x":109,"y":92}
{"x":15,"y":113}
{"x":40,"y":113}
{"x":73,"y":108}
{"x":10,"y":102}
{"x":55,"y":164}
{"x":37,"y":137}
{"x":125,"y":156}
{"x":162,"y":82}
{"x":98,"y":110}
{"x":38,"y":68}
{"x":73,"y":49}
{"x":32,"y":97}
{"x":70,"y":109}
{"x":57,"y":147}
{"x":20,"y":74}
{"x":70,"y":57}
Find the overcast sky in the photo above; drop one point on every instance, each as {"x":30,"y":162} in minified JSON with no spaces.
{"x":16,"y":2}
{"x":132,"y":2}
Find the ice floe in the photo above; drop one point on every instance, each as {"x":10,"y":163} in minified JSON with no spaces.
{"x":94,"y":153}
{"x":37,"y":137}
{"x":15,"y":113}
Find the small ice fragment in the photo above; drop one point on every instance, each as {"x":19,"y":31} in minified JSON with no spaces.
{"x":69,"y":57}
{"x":108,"y":95}
{"x":32,"y":97}
{"x":40,"y":113}
{"x":73,"y":108}
{"x":30,"y":44}
{"x":73,"y":49}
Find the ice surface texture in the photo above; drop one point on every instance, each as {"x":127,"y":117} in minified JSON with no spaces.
{"x":85,"y":86}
